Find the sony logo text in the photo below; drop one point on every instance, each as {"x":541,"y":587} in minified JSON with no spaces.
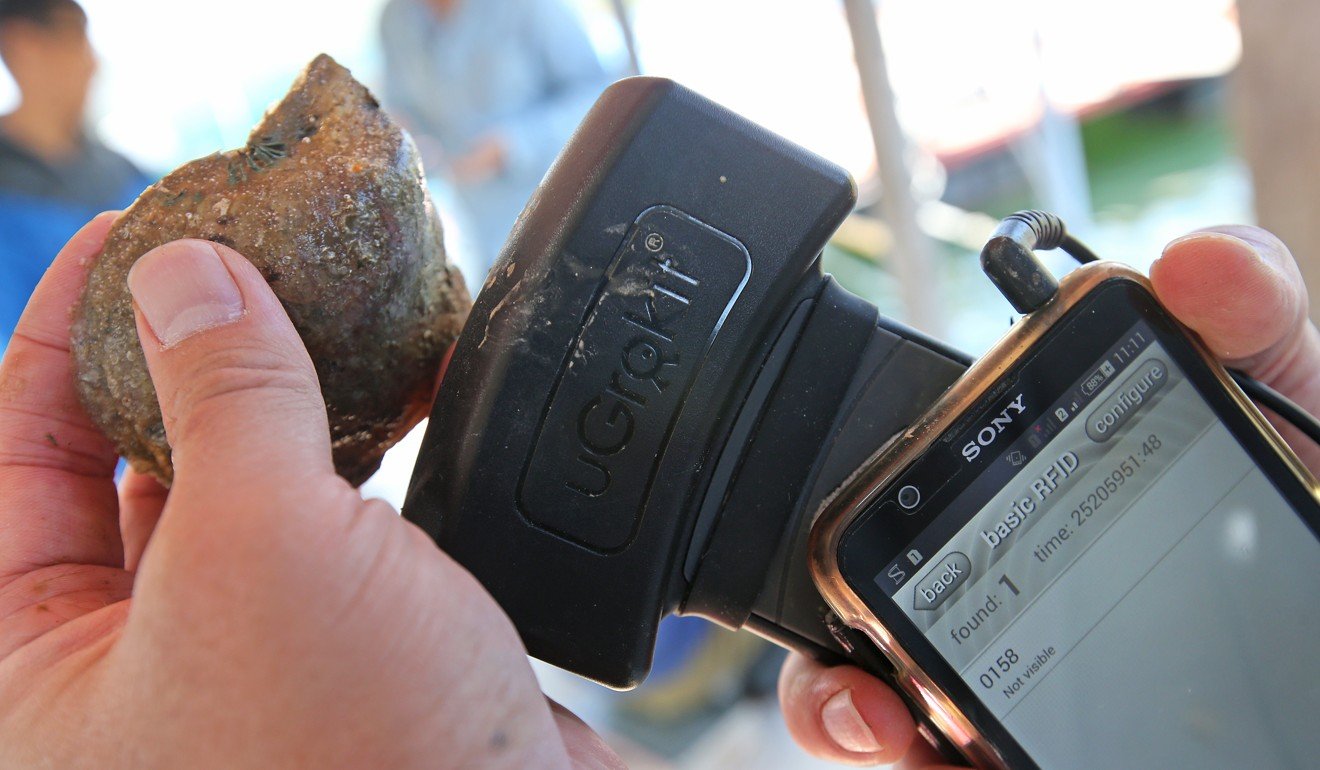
{"x":987,"y":435}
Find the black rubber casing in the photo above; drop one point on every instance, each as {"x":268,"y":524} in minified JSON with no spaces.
{"x":657,"y":387}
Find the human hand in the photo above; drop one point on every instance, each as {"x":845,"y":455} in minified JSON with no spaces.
{"x":1240,"y":290}
{"x":259,"y":613}
{"x":487,"y":158}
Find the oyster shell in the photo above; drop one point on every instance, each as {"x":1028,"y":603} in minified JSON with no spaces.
{"x":328,"y":201}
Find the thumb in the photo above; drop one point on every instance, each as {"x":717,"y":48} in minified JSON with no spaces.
{"x":239,"y":396}
{"x":1239,"y":288}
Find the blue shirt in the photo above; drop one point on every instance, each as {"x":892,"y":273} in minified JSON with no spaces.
{"x":523,"y":70}
{"x":43,"y":204}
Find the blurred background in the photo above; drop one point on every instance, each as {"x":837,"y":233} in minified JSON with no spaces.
{"x":1137,"y":120}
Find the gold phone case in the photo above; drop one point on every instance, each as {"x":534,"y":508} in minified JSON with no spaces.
{"x":874,"y":476}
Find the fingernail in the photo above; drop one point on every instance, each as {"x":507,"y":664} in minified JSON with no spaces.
{"x":1211,"y":235}
{"x":183,"y":288}
{"x":845,"y":726}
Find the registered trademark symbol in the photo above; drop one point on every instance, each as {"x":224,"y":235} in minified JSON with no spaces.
{"x":654,"y":242}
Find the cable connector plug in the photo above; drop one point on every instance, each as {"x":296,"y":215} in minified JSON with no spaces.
{"x":1009,"y":258}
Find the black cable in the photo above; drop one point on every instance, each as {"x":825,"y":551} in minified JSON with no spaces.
{"x":1009,"y":259}
{"x":1078,"y":250}
{"x":1278,"y":403}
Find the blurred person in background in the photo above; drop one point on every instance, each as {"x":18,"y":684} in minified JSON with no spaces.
{"x":490,"y":90}
{"x":54,"y":175}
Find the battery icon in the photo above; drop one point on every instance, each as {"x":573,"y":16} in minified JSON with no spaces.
{"x":1093,"y":383}
{"x":1097,"y":378}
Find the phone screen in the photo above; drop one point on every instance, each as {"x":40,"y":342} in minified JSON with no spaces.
{"x":1098,"y":567}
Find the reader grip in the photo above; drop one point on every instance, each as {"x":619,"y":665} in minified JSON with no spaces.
{"x":901,"y":373}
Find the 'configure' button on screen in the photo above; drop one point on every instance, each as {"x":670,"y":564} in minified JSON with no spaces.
{"x":1114,"y":412}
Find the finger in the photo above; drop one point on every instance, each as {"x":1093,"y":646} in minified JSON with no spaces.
{"x":57,"y":493}
{"x":842,"y":714}
{"x":141,"y":500}
{"x":586,"y":749}
{"x":1239,"y":289}
{"x":923,"y":756}
{"x":242,"y":407}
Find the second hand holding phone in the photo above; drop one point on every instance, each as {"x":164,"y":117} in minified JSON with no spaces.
{"x":1117,"y":551}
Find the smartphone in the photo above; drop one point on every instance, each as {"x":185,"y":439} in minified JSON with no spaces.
{"x":1092,"y":552}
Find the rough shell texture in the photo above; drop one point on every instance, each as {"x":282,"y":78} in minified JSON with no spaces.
{"x":328,"y":201}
